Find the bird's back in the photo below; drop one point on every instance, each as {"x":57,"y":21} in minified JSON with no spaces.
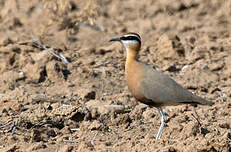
{"x":159,"y":89}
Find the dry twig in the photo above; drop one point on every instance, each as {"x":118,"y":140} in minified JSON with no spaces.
{"x":5,"y":125}
{"x":93,"y":139}
{"x":51,"y":50}
{"x":222,"y":96}
{"x":12,"y":129}
{"x":75,"y":129}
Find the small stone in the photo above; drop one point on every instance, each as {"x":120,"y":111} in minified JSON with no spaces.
{"x":95,"y":125}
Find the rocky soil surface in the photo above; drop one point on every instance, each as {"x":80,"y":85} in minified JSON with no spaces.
{"x":82,"y":103}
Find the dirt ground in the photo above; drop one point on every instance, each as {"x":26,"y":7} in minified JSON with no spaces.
{"x":49,"y":105}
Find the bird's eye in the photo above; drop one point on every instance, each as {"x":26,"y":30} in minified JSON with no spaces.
{"x":128,"y":38}
{"x":131,"y":38}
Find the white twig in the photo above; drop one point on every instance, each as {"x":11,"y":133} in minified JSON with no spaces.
{"x":93,"y":139}
{"x":59,"y":56}
{"x":75,"y":129}
{"x":4,"y":125}
{"x":14,"y":127}
{"x":223,"y":97}
{"x":64,"y":106}
{"x":64,"y":58}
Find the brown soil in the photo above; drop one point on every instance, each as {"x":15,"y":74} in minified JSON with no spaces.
{"x":48,"y":105}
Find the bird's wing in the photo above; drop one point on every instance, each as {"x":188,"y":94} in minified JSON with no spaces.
{"x":160,"y":88}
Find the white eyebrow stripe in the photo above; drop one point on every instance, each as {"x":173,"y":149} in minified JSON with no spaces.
{"x":132,"y":35}
{"x":130,"y":42}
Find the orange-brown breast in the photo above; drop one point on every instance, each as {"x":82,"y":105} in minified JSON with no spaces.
{"x":134,"y":75}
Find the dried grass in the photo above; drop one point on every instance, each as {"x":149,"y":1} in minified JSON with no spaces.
{"x":60,"y":11}
{"x":57,"y":7}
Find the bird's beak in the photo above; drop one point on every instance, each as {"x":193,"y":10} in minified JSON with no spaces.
{"x":114,"y":39}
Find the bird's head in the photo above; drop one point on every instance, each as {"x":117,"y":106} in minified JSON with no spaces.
{"x":131,"y":41}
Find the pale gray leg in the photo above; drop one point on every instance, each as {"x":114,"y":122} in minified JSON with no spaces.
{"x":163,"y":119}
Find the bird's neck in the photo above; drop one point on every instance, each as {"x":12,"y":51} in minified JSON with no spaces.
{"x":131,"y":60}
{"x":131,"y":55}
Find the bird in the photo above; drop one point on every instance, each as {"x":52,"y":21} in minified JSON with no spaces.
{"x":150,"y":86}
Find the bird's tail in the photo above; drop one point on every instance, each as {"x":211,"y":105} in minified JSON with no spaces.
{"x":202,"y":101}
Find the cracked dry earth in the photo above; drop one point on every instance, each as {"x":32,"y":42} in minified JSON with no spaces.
{"x":48,"y":105}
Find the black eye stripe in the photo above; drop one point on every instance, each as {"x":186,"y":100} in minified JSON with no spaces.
{"x":130,"y":38}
